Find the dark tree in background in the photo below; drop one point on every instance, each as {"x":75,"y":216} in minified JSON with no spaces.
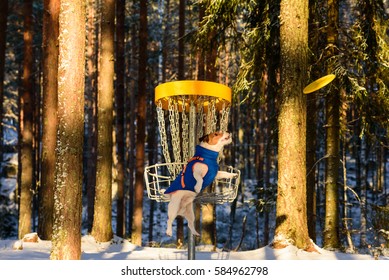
{"x":141,"y":128}
{"x":49,"y":112}
{"x":3,"y":35}
{"x":102,"y":218}
{"x":26,"y":126}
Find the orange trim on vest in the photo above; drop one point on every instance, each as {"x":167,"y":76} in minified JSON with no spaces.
{"x":184,"y":169}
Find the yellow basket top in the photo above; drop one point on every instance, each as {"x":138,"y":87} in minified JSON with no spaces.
{"x":193,"y":91}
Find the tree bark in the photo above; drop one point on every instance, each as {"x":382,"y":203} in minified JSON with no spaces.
{"x":102,"y":218}
{"x":91,"y":112}
{"x":141,"y":133}
{"x":120,"y":93}
{"x":291,"y":219}
{"x":311,"y":126}
{"x":26,"y":129}
{"x":3,"y":36}
{"x":49,"y":111}
{"x":331,"y":224}
{"x":66,"y":238}
{"x":181,"y":76}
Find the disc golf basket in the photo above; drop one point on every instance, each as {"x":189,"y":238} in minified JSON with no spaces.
{"x":192,"y":109}
{"x":187,"y":110}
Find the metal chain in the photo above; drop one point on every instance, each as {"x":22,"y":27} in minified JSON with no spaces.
{"x":185,"y":132}
{"x":175,"y":129}
{"x":192,"y":127}
{"x":211,"y":117}
{"x":224,"y":115}
{"x":200,"y":121}
{"x":162,"y":133}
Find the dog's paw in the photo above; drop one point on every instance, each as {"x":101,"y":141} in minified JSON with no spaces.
{"x":195,"y":233}
{"x":169,"y":233}
{"x":197,"y":189}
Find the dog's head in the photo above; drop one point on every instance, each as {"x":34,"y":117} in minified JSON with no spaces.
{"x":215,"y":141}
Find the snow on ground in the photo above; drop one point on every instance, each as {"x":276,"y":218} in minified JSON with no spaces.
{"x":121,"y":249}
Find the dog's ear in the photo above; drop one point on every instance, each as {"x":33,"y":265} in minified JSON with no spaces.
{"x":204,"y":138}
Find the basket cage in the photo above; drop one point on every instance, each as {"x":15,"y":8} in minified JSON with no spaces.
{"x":158,"y":179}
{"x":182,"y":120}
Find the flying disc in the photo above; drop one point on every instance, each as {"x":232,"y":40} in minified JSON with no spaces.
{"x":319,"y":83}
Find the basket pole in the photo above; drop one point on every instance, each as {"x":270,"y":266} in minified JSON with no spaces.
{"x":192,"y":143}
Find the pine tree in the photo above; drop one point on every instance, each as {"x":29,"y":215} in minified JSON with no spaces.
{"x":331,"y":229}
{"x":49,"y":111}
{"x":102,"y":218}
{"x":3,"y":35}
{"x":119,"y":97}
{"x":291,"y":220}
{"x":26,"y":127}
{"x":66,"y":239}
{"x":140,"y":121}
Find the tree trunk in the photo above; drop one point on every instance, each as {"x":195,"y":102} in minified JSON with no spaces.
{"x":131,"y":122}
{"x":120,"y":93}
{"x":49,"y":111}
{"x":66,"y":238}
{"x":291,"y":220}
{"x":331,"y":227}
{"x":181,"y":76}
{"x":91,"y":112}
{"x":3,"y":36}
{"x":102,"y":218}
{"x":208,"y":235}
{"x":311,"y":125}
{"x":26,"y":123}
{"x":140,"y":139}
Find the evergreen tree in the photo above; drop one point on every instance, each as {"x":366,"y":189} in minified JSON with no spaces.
{"x":66,"y":239}
{"x":140,"y":121}
{"x":291,"y":220}
{"x":102,"y":218}
{"x":49,"y":111}
{"x":119,"y":97}
{"x":26,"y":126}
{"x":3,"y":35}
{"x":331,"y":229}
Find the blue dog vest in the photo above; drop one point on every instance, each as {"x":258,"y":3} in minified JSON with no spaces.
{"x":186,"y":181}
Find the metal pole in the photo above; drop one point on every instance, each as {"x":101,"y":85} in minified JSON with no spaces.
{"x":191,"y":244}
{"x":192,"y":141}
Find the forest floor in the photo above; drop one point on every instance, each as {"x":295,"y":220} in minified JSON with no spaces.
{"x":122,"y":249}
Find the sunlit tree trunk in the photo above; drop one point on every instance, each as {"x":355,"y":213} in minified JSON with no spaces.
{"x":3,"y":35}
{"x":102,"y":218}
{"x":66,"y":239}
{"x":291,"y":220}
{"x":120,"y":93}
{"x":26,"y":126}
{"x":49,"y":111}
{"x":331,"y":226}
{"x":140,"y":139}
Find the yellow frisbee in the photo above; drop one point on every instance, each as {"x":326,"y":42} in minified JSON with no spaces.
{"x":319,"y":83}
{"x":193,"y":91}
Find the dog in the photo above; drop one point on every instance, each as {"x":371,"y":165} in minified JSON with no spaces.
{"x":199,"y":172}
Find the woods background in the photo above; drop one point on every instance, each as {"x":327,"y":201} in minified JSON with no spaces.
{"x":133,"y":46}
